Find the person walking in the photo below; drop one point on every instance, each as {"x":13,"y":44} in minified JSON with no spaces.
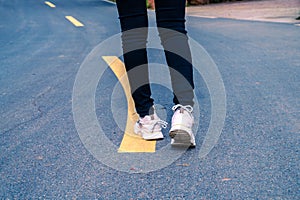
{"x":170,"y":20}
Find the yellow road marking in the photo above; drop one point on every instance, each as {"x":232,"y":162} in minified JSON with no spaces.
{"x":74,"y":21}
{"x":50,"y":4}
{"x":130,"y":142}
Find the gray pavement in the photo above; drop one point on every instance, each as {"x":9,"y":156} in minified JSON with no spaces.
{"x":265,"y":10}
{"x":43,"y":157}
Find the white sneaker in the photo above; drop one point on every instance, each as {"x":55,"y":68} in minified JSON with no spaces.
{"x":149,"y":127}
{"x":181,"y":129}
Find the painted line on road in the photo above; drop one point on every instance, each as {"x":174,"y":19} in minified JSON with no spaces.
{"x":51,"y":5}
{"x":297,"y":24}
{"x":130,"y":142}
{"x":74,"y":21}
{"x":111,"y":2}
{"x":208,"y":17}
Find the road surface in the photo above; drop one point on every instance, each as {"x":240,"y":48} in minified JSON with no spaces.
{"x":43,"y":157}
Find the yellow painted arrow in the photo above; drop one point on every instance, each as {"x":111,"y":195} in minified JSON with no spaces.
{"x":131,"y":142}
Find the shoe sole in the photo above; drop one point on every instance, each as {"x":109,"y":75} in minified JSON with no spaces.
{"x":181,"y":138}
{"x":153,"y":136}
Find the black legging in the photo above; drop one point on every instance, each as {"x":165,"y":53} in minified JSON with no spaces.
{"x":170,"y":15}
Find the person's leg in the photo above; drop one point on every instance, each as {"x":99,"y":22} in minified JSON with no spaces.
{"x":170,"y":18}
{"x":134,"y":25}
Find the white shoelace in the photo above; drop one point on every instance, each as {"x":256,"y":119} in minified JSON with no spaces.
{"x":161,"y":123}
{"x":187,"y":107}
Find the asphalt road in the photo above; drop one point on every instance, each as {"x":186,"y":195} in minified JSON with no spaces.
{"x":42,"y":156}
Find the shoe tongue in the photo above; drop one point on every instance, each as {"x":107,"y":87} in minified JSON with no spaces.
{"x":147,"y":118}
{"x":179,"y":110}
